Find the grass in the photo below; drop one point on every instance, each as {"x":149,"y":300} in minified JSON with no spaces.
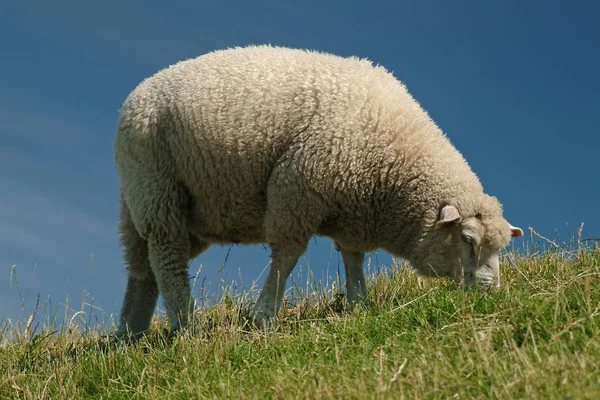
{"x":538,"y":337}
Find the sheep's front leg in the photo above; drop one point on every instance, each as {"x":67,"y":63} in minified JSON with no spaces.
{"x":283,"y":261}
{"x":356,"y":288}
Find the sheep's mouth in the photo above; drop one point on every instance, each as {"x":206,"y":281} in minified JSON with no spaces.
{"x":485,"y":284}
{"x":468,"y":280}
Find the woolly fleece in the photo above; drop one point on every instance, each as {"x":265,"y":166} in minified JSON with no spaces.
{"x":273,"y":145}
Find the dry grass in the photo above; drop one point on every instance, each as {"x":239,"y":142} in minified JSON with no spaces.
{"x":538,"y":337}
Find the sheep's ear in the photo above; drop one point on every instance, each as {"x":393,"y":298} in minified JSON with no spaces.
{"x":515,"y":232}
{"x":449,"y":214}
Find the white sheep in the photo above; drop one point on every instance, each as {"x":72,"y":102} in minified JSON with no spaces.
{"x":273,"y":145}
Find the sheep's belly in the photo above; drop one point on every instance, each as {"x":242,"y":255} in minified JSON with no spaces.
{"x":230,"y":222}
{"x":232,"y":236}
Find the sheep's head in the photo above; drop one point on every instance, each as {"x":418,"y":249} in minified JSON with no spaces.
{"x":464,"y":248}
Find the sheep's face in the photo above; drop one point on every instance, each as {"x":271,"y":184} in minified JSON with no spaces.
{"x":464,"y":249}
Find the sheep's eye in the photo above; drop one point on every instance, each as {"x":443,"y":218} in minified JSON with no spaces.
{"x":467,"y":239}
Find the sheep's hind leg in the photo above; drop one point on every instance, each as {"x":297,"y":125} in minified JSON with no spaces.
{"x":141,"y":293}
{"x":356,"y":288}
{"x":138,"y":306}
{"x":197,"y":247}
{"x":161,"y":218}
{"x":169,"y":262}
{"x":170,"y":265}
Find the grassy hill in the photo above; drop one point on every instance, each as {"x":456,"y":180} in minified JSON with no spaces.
{"x":538,"y":337}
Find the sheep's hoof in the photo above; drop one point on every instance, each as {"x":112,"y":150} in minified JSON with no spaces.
{"x":125,"y":337}
{"x":262,"y":320}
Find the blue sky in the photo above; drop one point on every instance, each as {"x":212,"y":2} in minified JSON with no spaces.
{"x":514,"y":84}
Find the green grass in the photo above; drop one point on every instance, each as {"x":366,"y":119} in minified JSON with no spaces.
{"x":538,"y":337}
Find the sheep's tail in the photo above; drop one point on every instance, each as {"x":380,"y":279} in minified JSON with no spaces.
{"x":125,"y":220}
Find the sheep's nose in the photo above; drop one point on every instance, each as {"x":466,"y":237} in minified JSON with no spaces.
{"x":487,"y":284}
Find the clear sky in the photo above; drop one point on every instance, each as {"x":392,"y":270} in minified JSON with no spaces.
{"x":514,"y":84}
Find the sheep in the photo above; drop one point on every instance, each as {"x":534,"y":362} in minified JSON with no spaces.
{"x":267,"y":144}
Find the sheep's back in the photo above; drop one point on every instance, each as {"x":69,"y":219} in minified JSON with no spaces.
{"x":221,"y":124}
